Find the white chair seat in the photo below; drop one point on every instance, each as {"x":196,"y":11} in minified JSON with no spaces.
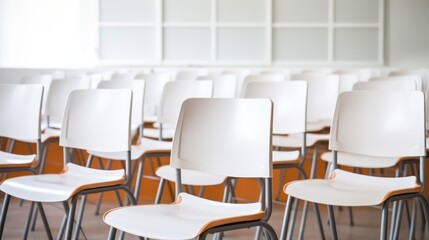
{"x":316,"y":126}
{"x":190,"y":177}
{"x":60,"y":187}
{"x":356,"y":160}
{"x":50,"y":133}
{"x":350,"y":189}
{"x":185,"y":219}
{"x":146,"y":146}
{"x":295,"y":140}
{"x":9,"y":160}
{"x":167,"y":133}
{"x":150,"y":118}
{"x":282,"y":157}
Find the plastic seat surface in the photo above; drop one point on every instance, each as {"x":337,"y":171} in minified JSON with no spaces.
{"x":350,"y":189}
{"x":190,"y":177}
{"x":10,"y":160}
{"x":295,"y":140}
{"x":185,"y":219}
{"x":356,"y":160}
{"x":60,"y":187}
{"x":146,"y":146}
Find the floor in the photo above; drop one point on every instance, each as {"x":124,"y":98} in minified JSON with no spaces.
{"x":366,"y":224}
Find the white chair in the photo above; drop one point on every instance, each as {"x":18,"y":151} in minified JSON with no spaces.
{"x":138,"y":89}
{"x":224,"y":86}
{"x":289,"y":118}
{"x":363,"y":128}
{"x":188,"y":74}
{"x":260,"y":78}
{"x":406,"y":85}
{"x":173,"y":95}
{"x":123,"y":76}
{"x":20,"y":109}
{"x":416,"y":78}
{"x":83,"y":127}
{"x":45,"y":81}
{"x":155,"y":83}
{"x":212,"y":138}
{"x":347,"y":81}
{"x":55,"y":104}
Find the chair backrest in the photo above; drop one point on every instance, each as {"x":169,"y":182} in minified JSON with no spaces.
{"x":175,"y":93}
{"x":57,"y":98}
{"x":97,"y":120}
{"x":138,"y":88}
{"x":347,"y":80}
{"x":406,"y":85}
{"x":322,"y":95}
{"x":228,"y":137}
{"x":20,"y":109}
{"x":123,"y":76}
{"x":224,"y":86}
{"x":45,"y":80}
{"x":155,"y":83}
{"x":416,"y":78}
{"x":290,"y":103}
{"x":379,"y":123}
{"x":260,"y":78}
{"x":187,"y":74}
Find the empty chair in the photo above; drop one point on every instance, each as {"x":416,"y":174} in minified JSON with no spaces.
{"x":188,"y":74}
{"x":417,"y":79}
{"x":45,"y":81}
{"x":224,"y":86}
{"x":212,"y":138}
{"x":363,"y":127}
{"x":20,"y":109}
{"x":138,"y":88}
{"x":123,"y":76}
{"x":173,"y":95}
{"x":407,"y":85}
{"x":260,"y":77}
{"x":84,"y":127}
{"x":154,"y":86}
{"x":347,"y":81}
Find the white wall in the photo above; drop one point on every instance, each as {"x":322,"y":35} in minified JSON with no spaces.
{"x":407,"y":33}
{"x":64,"y":33}
{"x":42,"y":33}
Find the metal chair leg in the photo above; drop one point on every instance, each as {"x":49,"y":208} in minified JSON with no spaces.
{"x":4,"y":209}
{"x":384,"y":220}
{"x":28,"y":223}
{"x":286,"y":218}
{"x":332,"y":224}
{"x":159,"y":191}
{"x":79,"y":217}
{"x":44,"y":220}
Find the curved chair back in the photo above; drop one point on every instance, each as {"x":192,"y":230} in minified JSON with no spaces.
{"x":416,"y":78}
{"x":175,"y":93}
{"x":89,"y":113}
{"x":45,"y":81}
{"x":57,"y":98}
{"x":260,"y":78}
{"x":363,"y":123}
{"x":138,"y":88}
{"x":405,"y":85}
{"x":347,"y":81}
{"x":224,"y":86}
{"x":290,"y":103}
{"x":20,"y":108}
{"x":155,"y":83}
{"x":229,"y":137}
{"x":322,"y":95}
